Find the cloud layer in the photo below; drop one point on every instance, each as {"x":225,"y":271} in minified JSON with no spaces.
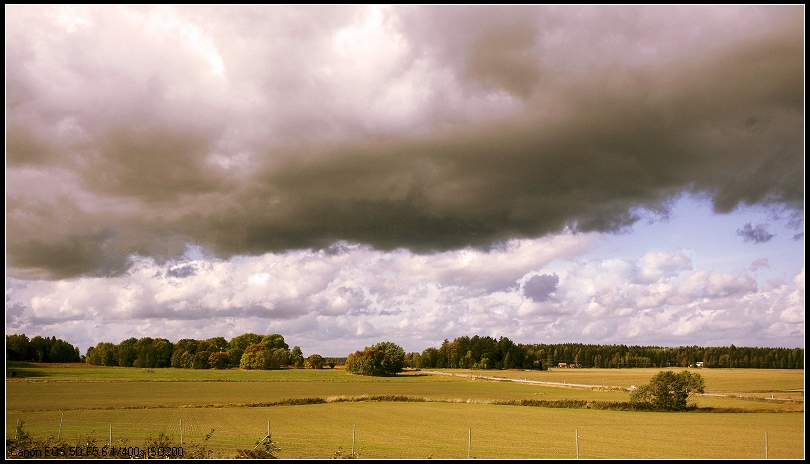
{"x":332,"y":303}
{"x":266,"y":129}
{"x":344,"y":175}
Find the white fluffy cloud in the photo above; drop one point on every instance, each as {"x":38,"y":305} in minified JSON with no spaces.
{"x":334,"y":302}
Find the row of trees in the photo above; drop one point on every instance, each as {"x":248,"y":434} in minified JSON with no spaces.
{"x":618,"y":356}
{"x":40,"y":349}
{"x":479,"y":353}
{"x":667,"y":391}
{"x":248,"y":351}
{"x":254,"y":351}
{"x":487,"y":353}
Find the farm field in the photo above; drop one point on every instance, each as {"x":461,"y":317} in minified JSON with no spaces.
{"x":446,"y":414}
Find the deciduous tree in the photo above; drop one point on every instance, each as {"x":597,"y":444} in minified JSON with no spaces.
{"x":382,"y":359}
{"x":668,"y":391}
{"x":297,"y":357}
{"x":314,"y":361}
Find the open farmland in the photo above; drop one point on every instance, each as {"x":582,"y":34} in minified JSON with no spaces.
{"x":409,"y":416}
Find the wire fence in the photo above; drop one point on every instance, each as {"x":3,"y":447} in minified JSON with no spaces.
{"x":92,"y":439}
{"x":224,"y":435}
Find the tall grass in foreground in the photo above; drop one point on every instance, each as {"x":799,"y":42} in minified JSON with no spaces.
{"x":413,"y":429}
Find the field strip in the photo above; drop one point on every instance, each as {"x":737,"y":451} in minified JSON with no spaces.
{"x":536,"y":382}
{"x":594,"y":386}
{"x":558,"y":404}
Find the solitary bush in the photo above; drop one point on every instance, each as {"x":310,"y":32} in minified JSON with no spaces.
{"x":382,"y":359}
{"x":314,"y":361}
{"x":668,"y":391}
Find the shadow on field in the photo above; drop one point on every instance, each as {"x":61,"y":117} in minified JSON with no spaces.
{"x":22,"y":370}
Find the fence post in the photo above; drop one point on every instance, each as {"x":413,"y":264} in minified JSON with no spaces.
{"x":354,"y":431}
{"x":59,"y":435}
{"x":576,"y":431}
{"x":266,"y":437}
{"x":181,"y":432}
{"x":469,"y":441}
{"x":766,"y":445}
{"x":110,"y":443}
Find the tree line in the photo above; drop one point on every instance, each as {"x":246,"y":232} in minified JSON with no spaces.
{"x":488,"y":353}
{"x":246,"y":351}
{"x":255,"y":351}
{"x":40,"y":349}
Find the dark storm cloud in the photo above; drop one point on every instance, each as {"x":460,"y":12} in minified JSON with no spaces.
{"x":153,"y":163}
{"x":502,"y":58}
{"x":611,"y":150}
{"x":23,"y":147}
{"x":590,"y":151}
{"x":757,"y":234}
{"x":540,"y":287}
{"x":88,"y":255}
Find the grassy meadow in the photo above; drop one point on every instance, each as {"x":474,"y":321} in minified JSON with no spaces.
{"x":412,"y":415}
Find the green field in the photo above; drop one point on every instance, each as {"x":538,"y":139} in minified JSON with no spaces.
{"x":446,"y":417}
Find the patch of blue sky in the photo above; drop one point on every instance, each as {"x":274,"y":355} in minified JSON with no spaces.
{"x":711,"y":240}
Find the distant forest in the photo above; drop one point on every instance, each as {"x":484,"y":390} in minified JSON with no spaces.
{"x":40,"y":349}
{"x":487,"y":353}
{"x":254,"y":351}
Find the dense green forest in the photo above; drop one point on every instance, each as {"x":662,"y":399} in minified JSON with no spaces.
{"x":487,"y":353}
{"x":254,"y":351}
{"x":40,"y":349}
{"x":246,"y":351}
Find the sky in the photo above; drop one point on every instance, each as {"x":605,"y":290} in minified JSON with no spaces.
{"x":346,"y":175}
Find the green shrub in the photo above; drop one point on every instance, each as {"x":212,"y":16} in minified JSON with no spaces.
{"x":382,"y":359}
{"x":668,"y":391}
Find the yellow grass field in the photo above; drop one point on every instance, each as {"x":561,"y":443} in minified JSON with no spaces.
{"x":448,"y":416}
